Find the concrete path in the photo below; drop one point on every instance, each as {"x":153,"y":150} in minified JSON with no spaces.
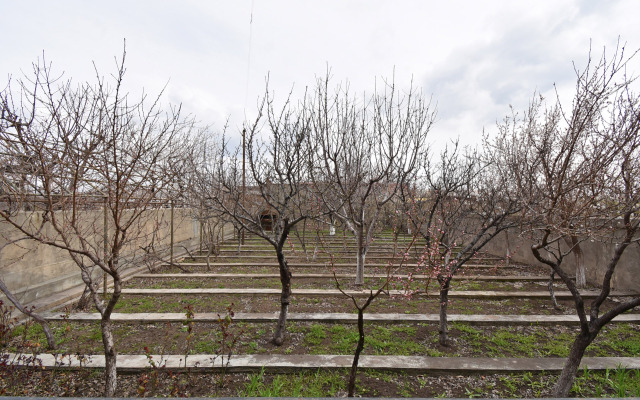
{"x":475,"y":319}
{"x":491,"y":278}
{"x":462,"y":294}
{"x":294,"y":363}
{"x":318,"y":265}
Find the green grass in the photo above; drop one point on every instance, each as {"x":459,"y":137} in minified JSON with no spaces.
{"x":620,"y":381}
{"x":505,"y":340}
{"x":205,"y":346}
{"x":316,"y":335}
{"x":631,"y":341}
{"x":379,"y":340}
{"x":304,"y":384}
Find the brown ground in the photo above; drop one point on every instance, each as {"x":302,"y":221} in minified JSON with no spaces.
{"x":303,"y":338}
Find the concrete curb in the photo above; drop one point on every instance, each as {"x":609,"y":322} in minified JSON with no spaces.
{"x":463,"y":294}
{"x":294,"y":363}
{"x":342,"y":318}
{"x":320,"y":265}
{"x":491,"y":278}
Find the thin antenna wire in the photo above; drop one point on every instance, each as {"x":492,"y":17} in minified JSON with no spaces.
{"x":246,"y":91}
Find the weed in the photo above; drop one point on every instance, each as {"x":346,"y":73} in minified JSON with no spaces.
{"x":304,"y":384}
{"x":405,"y":390}
{"x":508,"y":341}
{"x":625,"y":383}
{"x":316,"y":335}
{"x":226,"y":344}
{"x":380,"y":375}
{"x":472,"y":392}
{"x":511,"y":386}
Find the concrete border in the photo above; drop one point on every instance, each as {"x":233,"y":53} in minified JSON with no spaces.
{"x":318,"y":265}
{"x":294,"y":363}
{"x":462,"y":294}
{"x":473,"y":319}
{"x":213,"y":275}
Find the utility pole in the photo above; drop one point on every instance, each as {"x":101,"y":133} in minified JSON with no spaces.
{"x":244,"y":187}
{"x":105,"y":202}
{"x":171,"y":238}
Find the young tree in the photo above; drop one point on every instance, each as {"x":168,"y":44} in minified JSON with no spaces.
{"x":92,"y":166}
{"x":277,"y":185}
{"x":577,"y":169}
{"x":466,"y":201}
{"x":363,"y":153}
{"x":376,"y":289}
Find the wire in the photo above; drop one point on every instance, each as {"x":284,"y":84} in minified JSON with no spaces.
{"x":246,"y":91}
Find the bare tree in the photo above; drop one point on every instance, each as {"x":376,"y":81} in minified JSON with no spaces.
{"x":364,"y":152}
{"x":376,"y":289}
{"x":464,"y":203}
{"x":97,"y":166}
{"x":577,"y":168}
{"x":276,"y":196}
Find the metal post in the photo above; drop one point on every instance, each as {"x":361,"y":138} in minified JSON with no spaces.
{"x":244,"y":187}
{"x":105,"y":243}
{"x":171,"y":255}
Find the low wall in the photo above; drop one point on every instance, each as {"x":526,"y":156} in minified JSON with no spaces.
{"x":596,"y":258}
{"x":33,"y":271}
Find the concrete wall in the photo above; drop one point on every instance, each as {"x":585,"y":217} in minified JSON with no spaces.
{"x":33,"y":271}
{"x":596,"y":258}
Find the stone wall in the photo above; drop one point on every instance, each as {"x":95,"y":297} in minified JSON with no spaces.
{"x":596,"y":258}
{"x":33,"y":271}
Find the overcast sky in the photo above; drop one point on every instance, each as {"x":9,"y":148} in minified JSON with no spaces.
{"x":474,"y":57}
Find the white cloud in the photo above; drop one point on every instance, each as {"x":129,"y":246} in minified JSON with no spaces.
{"x":475,"y":57}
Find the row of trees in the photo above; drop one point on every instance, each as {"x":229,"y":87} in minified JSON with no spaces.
{"x":558,"y":175}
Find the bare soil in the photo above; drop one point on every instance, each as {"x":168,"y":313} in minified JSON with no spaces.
{"x":321,"y":338}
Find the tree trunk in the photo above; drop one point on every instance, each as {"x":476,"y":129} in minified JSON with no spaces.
{"x":508,"y":255}
{"x":110,"y":372}
{"x":581,"y":273}
{"x":84,"y":299}
{"x":568,"y":374}
{"x":51,"y":341}
{"x":285,"y":296}
{"x":208,"y":258}
{"x":551,"y":292}
{"x":344,"y":239}
{"x":362,"y":253}
{"x":351,"y":388}
{"x":110,"y":354}
{"x":315,"y":253}
{"x":444,"y":304}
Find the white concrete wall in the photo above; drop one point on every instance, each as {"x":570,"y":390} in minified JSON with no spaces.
{"x":33,"y":271}
{"x":596,"y":258}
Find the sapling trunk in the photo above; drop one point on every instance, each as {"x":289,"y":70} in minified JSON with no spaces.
{"x":576,"y":250}
{"x":362,"y":253}
{"x":552,"y":277}
{"x":581,"y":272}
{"x":285,"y":298}
{"x":84,"y":300}
{"x":110,"y":354}
{"x":351,"y":387}
{"x":568,"y":374}
{"x":443,"y":335}
{"x":208,"y":258}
